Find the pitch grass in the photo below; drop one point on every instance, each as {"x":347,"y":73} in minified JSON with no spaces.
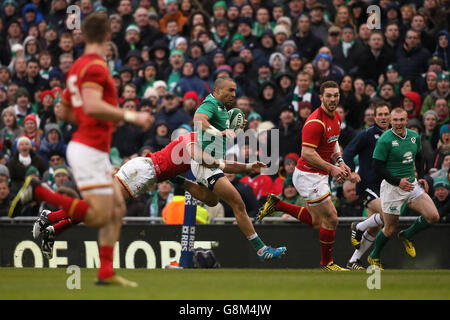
{"x":228,"y":284}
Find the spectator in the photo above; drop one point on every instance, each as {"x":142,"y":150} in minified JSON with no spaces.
{"x":411,"y":103}
{"x":347,"y":132}
{"x":32,"y":131}
{"x":350,"y":205}
{"x":172,"y":13}
{"x":376,"y":57}
{"x":190,"y":102}
{"x":442,"y":91}
{"x":5,"y":198}
{"x":307,"y":43}
{"x":189,"y":81}
{"x":412,"y":58}
{"x":290,"y":132}
{"x":303,"y":92}
{"x":324,"y":71}
{"x":173,"y":73}
{"x":158,"y":199}
{"x":128,"y":137}
{"x":352,"y":103}
{"x":431,"y":128}
{"x":21,"y":161}
{"x":286,"y":171}
{"x":441,"y":198}
{"x":171,"y":113}
{"x":51,"y":142}
{"x":319,"y":26}
{"x":11,"y":131}
{"x":347,"y":51}
{"x":442,"y":49}
{"x":269,"y":102}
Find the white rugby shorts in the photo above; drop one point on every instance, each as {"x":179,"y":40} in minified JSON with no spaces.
{"x":137,"y":175}
{"x":311,"y":186}
{"x":92,"y":168}
{"x":205,"y":176}
{"x":392,"y":197}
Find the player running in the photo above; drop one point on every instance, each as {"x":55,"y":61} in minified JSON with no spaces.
{"x":319,"y":146}
{"x":139,"y":174}
{"x":91,"y":100}
{"x":212,"y":120}
{"x":394,"y":159}
{"x":363,"y":233}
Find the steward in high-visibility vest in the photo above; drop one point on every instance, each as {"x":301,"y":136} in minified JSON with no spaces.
{"x":173,"y":212}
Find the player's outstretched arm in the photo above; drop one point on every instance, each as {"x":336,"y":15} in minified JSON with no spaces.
{"x":209,"y":161}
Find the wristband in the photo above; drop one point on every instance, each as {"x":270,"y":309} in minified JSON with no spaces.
{"x":248,"y":166}
{"x":339,"y":160}
{"x":129,"y":116}
{"x":213,"y":131}
{"x":221,"y":164}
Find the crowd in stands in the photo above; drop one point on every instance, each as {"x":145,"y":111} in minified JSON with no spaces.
{"x":165,"y":56}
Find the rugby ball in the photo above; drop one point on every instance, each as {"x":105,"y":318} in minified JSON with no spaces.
{"x":236,"y":119}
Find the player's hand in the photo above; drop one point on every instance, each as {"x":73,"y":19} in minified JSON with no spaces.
{"x":338,"y":173}
{"x":354,"y":177}
{"x":228,"y":133}
{"x":245,"y":123}
{"x":424,"y":184}
{"x":144,"y":120}
{"x":347,"y":169}
{"x":257,"y":166}
{"x":406,"y":185}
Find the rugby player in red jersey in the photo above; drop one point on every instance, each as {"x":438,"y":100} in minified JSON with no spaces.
{"x":91,"y":100}
{"x":320,"y":146}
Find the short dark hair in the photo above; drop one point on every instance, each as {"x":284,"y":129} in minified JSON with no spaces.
{"x":96,"y":27}
{"x":328,"y":84}
{"x":382,"y":104}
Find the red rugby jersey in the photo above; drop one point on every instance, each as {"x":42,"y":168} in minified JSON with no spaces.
{"x":320,"y":132}
{"x":173,"y":159}
{"x":90,"y":70}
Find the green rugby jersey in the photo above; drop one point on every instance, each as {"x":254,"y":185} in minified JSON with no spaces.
{"x":399,"y":154}
{"x":219,"y":119}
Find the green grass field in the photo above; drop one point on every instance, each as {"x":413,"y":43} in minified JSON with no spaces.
{"x":228,"y":284}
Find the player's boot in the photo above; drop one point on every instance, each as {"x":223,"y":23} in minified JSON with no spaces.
{"x":48,"y":240}
{"x":41,"y":223}
{"x":23,"y":197}
{"x":268,"y":253}
{"x":356,"y":236}
{"x":409,"y":247}
{"x":355,"y":265}
{"x":268,"y":208}
{"x":375,"y":262}
{"x":333,"y":267}
{"x":116,"y":280}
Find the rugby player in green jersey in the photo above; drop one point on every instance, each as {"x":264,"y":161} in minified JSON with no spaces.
{"x":394,"y":158}
{"x":212,"y":123}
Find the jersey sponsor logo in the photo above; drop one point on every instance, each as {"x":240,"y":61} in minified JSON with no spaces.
{"x":395,"y":143}
{"x":393,"y":209}
{"x":333,"y":139}
{"x":407,"y":157}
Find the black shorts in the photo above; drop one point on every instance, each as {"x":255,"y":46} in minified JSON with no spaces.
{"x":369,"y":194}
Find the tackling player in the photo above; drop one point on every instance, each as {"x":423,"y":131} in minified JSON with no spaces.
{"x":91,"y":100}
{"x":139,"y":174}
{"x":319,"y":146}
{"x":363,"y":234}
{"x":213,"y":121}
{"x":394,"y":159}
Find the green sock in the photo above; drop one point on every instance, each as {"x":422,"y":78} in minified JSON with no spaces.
{"x":256,"y":242}
{"x":378,"y":245}
{"x":418,"y":225}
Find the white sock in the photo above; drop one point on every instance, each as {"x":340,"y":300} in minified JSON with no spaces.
{"x":373,"y":221}
{"x":366,"y":242}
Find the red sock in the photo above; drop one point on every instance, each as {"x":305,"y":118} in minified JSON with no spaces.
{"x":298,"y":212}
{"x":106,"y":262}
{"x":57,"y":216}
{"x":61,"y":226}
{"x":326,"y":238}
{"x":75,"y":208}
